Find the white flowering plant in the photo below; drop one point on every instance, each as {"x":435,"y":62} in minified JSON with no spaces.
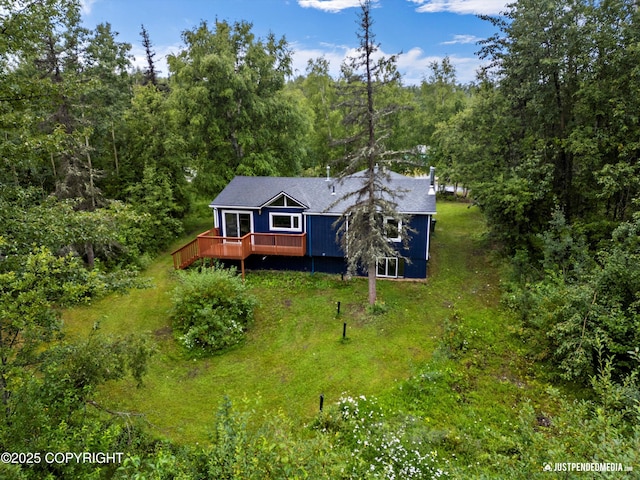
{"x":382,"y":446}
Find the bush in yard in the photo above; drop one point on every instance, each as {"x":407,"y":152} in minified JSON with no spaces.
{"x":211,"y":310}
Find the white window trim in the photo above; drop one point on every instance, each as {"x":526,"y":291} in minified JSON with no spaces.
{"x":386,"y":260}
{"x":384,"y":225}
{"x":235,"y":212}
{"x":285,"y":229}
{"x":287,"y":201}
{"x":427,"y":253}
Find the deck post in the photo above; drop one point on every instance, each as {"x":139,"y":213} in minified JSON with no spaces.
{"x":242,"y":268}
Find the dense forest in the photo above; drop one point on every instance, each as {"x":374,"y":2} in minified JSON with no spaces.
{"x":101,"y":163}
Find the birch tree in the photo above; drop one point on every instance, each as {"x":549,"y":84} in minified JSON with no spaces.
{"x":228,"y":89}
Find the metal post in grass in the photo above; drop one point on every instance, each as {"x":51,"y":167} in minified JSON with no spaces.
{"x":338,"y":313}
{"x":344,"y":331}
{"x":321,"y":401}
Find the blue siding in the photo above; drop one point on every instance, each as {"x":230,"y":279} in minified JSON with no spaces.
{"x":416,"y":251}
{"x":329,"y":264}
{"x":272,"y":262}
{"x":417,"y":239}
{"x":324,"y":254}
{"x":261,"y":218}
{"x":261,"y":221}
{"x":301,"y":264}
{"x":416,"y":269}
{"x":321,"y":237}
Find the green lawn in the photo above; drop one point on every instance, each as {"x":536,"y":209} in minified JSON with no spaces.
{"x":294,"y":351}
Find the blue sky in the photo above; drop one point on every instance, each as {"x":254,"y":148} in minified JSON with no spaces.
{"x":423,"y":30}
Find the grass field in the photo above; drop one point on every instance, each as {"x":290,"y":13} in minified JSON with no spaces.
{"x":450,"y":327}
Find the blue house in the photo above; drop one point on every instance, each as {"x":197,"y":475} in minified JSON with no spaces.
{"x":290,"y":224}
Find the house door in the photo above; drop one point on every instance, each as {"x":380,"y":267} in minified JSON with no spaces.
{"x":237,"y":224}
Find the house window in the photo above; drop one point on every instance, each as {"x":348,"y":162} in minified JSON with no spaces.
{"x":288,"y":222}
{"x":284,"y":201}
{"x":392,"y":229}
{"x":390,"y":267}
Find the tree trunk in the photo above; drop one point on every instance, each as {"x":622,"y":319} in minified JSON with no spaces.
{"x":115,"y":149}
{"x":91,"y":184}
{"x":370,"y":48}
{"x":91,"y":257}
{"x":372,"y":284}
{"x":53,"y":166}
{"x":6,"y":394}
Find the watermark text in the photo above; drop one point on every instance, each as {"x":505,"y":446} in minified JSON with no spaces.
{"x":30,"y":458}
{"x":586,"y":467}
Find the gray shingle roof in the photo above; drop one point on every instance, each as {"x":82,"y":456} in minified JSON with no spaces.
{"x":318,"y":193}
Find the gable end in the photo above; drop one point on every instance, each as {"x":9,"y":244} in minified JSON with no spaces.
{"x":284,"y":200}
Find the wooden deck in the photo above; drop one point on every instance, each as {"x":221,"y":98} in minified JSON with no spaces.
{"x":210,"y":245}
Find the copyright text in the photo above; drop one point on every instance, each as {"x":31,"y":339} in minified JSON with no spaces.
{"x":30,"y":458}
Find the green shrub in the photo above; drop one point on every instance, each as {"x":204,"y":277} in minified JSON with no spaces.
{"x":378,"y":308}
{"x":604,"y":430}
{"x":456,"y":336}
{"x":580,"y":304}
{"x":211,"y":310}
{"x":242,"y":446}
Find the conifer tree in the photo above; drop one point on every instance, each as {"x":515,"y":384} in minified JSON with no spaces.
{"x":150,"y":76}
{"x":361,"y":226}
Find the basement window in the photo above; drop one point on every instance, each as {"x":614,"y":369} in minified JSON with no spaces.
{"x":390,"y":267}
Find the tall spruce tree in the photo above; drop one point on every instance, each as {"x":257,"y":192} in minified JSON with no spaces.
{"x":361,"y":227}
{"x":149,"y":73}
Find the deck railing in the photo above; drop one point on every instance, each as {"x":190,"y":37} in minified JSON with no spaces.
{"x":278,"y":244}
{"x":186,"y":255}
{"x":210,"y":245}
{"x":232,"y":248}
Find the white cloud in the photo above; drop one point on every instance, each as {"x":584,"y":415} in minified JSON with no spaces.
{"x":462,"y":7}
{"x":160,"y":59}
{"x":86,"y":6}
{"x":414,"y":65}
{"x":331,"y":6}
{"x":334,"y":54}
{"x":462,"y":40}
{"x":466,"y":68}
